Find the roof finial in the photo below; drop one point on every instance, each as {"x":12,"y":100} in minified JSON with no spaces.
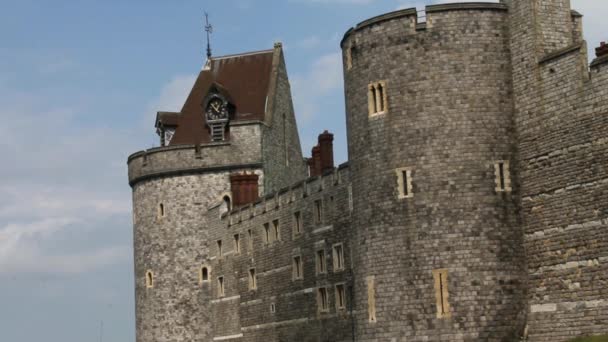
{"x":209,"y":30}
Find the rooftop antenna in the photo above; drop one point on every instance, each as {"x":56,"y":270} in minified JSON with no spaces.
{"x":209,"y":30}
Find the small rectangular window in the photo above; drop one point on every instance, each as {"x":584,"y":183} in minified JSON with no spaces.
{"x":404,"y":182}
{"x":322,"y":299}
{"x":253,"y":281}
{"x":277,"y":230}
{"x":237,"y":244}
{"x":266,"y":233}
{"x":250,"y":239}
{"x":318,"y":211}
{"x":503,"y":176}
{"x":297,"y":224}
{"x":441,"y":293}
{"x":340,"y":297}
{"x":338,"y":257}
{"x":220,"y":287}
{"x":371,"y":299}
{"x":297,"y":268}
{"x":149,"y":279}
{"x":219,"y":249}
{"x":321,"y":262}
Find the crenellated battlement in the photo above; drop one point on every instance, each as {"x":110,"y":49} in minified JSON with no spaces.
{"x":435,"y":16}
{"x":275,"y":201}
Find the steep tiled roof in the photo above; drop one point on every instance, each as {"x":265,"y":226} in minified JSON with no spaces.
{"x":245,"y":78}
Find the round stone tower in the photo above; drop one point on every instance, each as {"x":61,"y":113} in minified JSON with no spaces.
{"x":438,"y":247}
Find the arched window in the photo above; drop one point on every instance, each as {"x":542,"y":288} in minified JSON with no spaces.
{"x":149,"y":279}
{"x":204,"y":274}
{"x":226,"y":204}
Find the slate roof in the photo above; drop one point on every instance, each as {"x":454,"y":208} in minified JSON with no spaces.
{"x":244,"y":77}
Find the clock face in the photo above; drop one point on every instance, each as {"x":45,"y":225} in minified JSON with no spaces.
{"x":217,"y":110}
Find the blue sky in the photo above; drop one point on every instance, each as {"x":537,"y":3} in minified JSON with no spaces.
{"x":80,"y":83}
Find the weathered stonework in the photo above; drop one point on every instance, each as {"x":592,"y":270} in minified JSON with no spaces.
{"x":474,"y":207}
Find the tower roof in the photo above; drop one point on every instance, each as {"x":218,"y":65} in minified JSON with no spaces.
{"x":245,"y":77}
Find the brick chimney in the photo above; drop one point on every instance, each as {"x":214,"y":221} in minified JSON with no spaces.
{"x":326,"y":144}
{"x":316,"y":168}
{"x":244,"y":188}
{"x":602,"y":50}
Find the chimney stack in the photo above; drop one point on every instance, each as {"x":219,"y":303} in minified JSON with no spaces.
{"x":326,"y":144}
{"x":602,"y":50}
{"x":322,"y":155}
{"x":244,"y":188}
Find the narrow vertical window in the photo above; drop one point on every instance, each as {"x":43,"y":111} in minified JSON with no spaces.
{"x":220,"y":287}
{"x":404,"y":182}
{"x":338,"y":257}
{"x":380,"y":97}
{"x":277,"y":230}
{"x":237,"y":244}
{"x":149,"y":279}
{"x":318,"y":211}
{"x":322,"y":299}
{"x":204,"y":274}
{"x":266,"y":233}
{"x":321,"y":266}
{"x":250,"y":239}
{"x":297,"y":224}
{"x":253,"y":281}
{"x":349,"y":58}
{"x":227,"y":203}
{"x":371,"y":299}
{"x":441,"y":293}
{"x":273,"y":308}
{"x":219,"y":249}
{"x":503,"y":176}
{"x":340,"y":297}
{"x":161,"y":211}
{"x":298,"y":268}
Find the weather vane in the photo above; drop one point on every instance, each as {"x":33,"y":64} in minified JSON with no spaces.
{"x":209,"y":30}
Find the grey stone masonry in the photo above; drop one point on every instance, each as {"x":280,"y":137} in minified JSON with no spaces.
{"x":473,"y":207}
{"x":448,"y":120}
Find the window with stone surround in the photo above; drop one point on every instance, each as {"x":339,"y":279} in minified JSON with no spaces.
{"x":203,"y":275}
{"x":440,"y":277}
{"x":321,"y":262}
{"x":220,"y":253}
{"x":149,"y":279}
{"x":349,"y":58}
{"x":277,"y":230}
{"x":237,"y":244}
{"x":340,"y":297}
{"x":371,"y":299}
{"x":322,"y":299}
{"x":266,"y":233}
{"x":338,"y":257}
{"x":220,"y":287}
{"x":250,"y":239}
{"x":160,"y":214}
{"x":297,"y":268}
{"x":318,"y":211}
{"x":404,"y":182}
{"x":503,"y":176}
{"x":297,"y":224}
{"x":377,"y":99}
{"x":253,"y":280}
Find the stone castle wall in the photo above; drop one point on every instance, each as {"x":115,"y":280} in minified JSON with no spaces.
{"x":449,"y":119}
{"x":245,"y":314}
{"x":561,"y":119}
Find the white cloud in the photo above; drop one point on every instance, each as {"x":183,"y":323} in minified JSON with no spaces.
{"x":324,"y":77}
